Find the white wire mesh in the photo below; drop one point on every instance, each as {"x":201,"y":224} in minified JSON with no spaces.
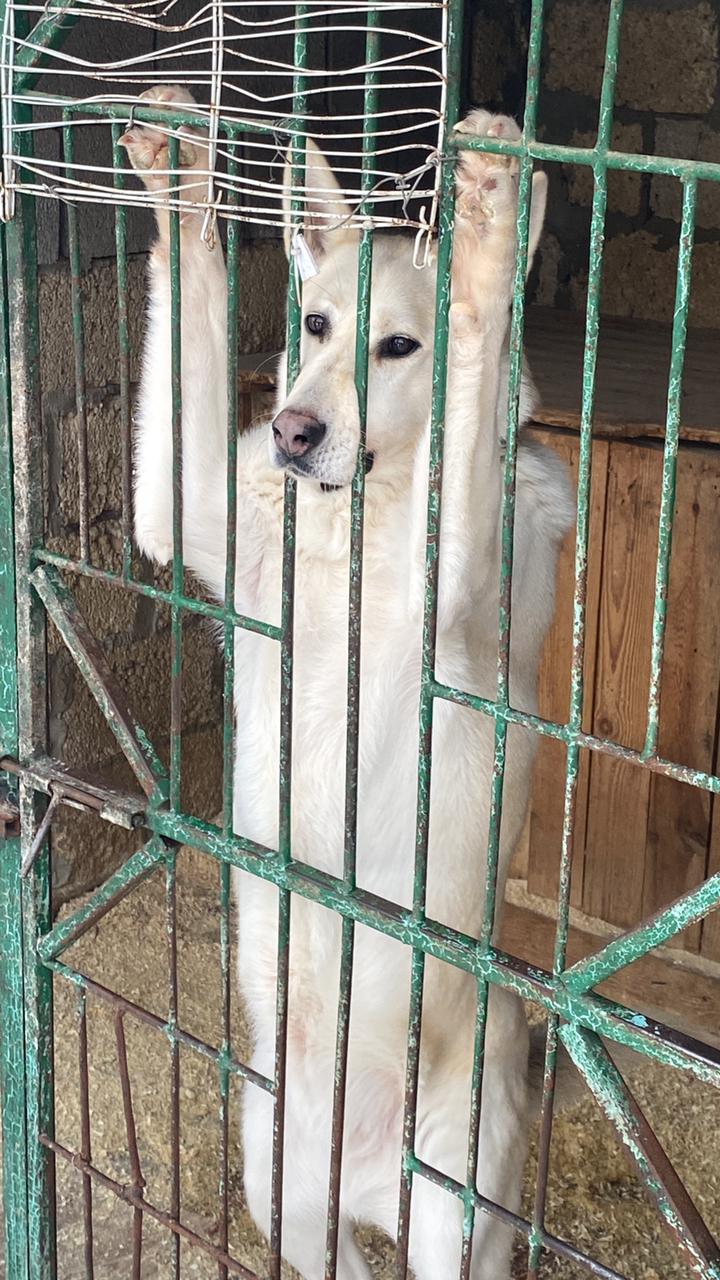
{"x":239,"y":60}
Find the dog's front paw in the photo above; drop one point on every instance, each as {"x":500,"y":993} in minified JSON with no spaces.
{"x":487,"y":185}
{"x":147,"y":146}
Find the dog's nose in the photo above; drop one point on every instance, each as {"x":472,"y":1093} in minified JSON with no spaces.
{"x":296,"y":432}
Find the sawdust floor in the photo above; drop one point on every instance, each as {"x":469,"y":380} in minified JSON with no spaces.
{"x":595,"y":1200}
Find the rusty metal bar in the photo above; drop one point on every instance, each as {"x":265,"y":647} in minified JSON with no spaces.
{"x":85,"y":1131}
{"x":141,"y":1205}
{"x":173,"y":1015}
{"x":137,"y":1183}
{"x":658,"y":1175}
{"x":185,"y":1038}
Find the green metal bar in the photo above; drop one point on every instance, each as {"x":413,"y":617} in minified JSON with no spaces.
{"x":233,"y":301}
{"x":24,"y":340}
{"x":582,"y":535}
{"x":658,"y":1175}
{"x":178,"y":574}
{"x":121,"y":263}
{"x":47,"y":34}
{"x":131,"y":737}
{"x":79,"y":353}
{"x":12,"y":1018}
{"x":609,"y":1019}
{"x":352,"y":751}
{"x":704,"y":171}
{"x":139,"y":867}
{"x":665,"y":924}
{"x":669,"y":477}
{"x":446,"y":214}
{"x":202,"y":607}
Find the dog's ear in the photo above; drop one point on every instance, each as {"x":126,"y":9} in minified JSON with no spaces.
{"x":537,"y":214}
{"x":323,"y":205}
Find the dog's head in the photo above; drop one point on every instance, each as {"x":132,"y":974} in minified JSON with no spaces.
{"x":316,"y":429}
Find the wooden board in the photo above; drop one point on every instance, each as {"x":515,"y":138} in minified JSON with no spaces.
{"x":679,"y":815}
{"x":544,"y":832}
{"x":710,"y":938}
{"x":619,"y":793}
{"x":632,"y":375}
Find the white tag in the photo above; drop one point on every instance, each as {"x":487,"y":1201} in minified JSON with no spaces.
{"x":307,"y":266}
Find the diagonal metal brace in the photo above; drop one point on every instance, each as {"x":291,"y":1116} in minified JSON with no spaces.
{"x":664,"y":924}
{"x":658,"y":1174}
{"x":107,"y":692}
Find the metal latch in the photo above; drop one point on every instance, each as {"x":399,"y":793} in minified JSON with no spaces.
{"x":122,"y":808}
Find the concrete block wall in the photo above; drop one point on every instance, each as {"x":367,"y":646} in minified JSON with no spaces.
{"x":667,"y":103}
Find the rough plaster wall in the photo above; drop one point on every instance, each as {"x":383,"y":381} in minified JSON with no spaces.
{"x":667,"y":103}
{"x":133,"y":630}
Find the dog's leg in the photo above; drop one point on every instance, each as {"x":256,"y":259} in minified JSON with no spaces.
{"x":204,"y":362}
{"x":482,"y":281}
{"x":306,"y":1167}
{"x":442,"y":1141}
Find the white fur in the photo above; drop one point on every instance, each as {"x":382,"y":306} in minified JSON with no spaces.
{"x":395,"y":514}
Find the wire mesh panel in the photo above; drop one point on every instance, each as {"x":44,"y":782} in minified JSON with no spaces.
{"x":255,"y":108}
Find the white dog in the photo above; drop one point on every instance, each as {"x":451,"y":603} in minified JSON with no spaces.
{"x":315,"y":435}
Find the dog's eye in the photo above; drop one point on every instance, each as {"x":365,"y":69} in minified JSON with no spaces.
{"x":315,"y":324}
{"x":398,"y":346}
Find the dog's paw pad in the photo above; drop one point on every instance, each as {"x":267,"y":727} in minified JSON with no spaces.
{"x":147,"y":146}
{"x":486,"y":183}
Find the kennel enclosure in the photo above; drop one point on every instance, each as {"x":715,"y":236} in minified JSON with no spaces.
{"x":40,"y":584}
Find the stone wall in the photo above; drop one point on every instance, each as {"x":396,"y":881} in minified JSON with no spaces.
{"x":667,"y":103}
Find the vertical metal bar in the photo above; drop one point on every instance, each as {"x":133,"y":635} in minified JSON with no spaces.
{"x":453,"y":34}
{"x":124,"y":352}
{"x":481,"y":1009}
{"x":173,"y":1013}
{"x":669,"y":476}
{"x":85,"y":1131}
{"x":577,"y":673}
{"x":79,"y":350}
{"x":233,"y":294}
{"x":233,"y":290}
{"x":225,"y":996}
{"x":12,"y":1027}
{"x":287,"y":622}
{"x":177,"y":519}
{"x":137,"y":1182}
{"x":23,"y":310}
{"x":357,"y":513}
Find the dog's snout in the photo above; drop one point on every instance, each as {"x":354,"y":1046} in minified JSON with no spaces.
{"x":295,"y":432}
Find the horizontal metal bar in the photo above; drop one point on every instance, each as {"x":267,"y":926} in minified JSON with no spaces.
{"x":658,"y":1174}
{"x":664,"y":924}
{"x":137,"y":1201}
{"x":704,"y":170}
{"x":203,"y":607}
{"x":109,"y":696}
{"x":565,"y":733}
{"x":175,"y":1034}
{"x":609,"y":1019}
{"x":139,"y":867}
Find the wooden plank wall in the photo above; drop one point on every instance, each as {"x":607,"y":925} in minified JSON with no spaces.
{"x":641,"y":839}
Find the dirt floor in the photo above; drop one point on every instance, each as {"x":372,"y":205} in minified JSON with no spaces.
{"x":595,"y":1200}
